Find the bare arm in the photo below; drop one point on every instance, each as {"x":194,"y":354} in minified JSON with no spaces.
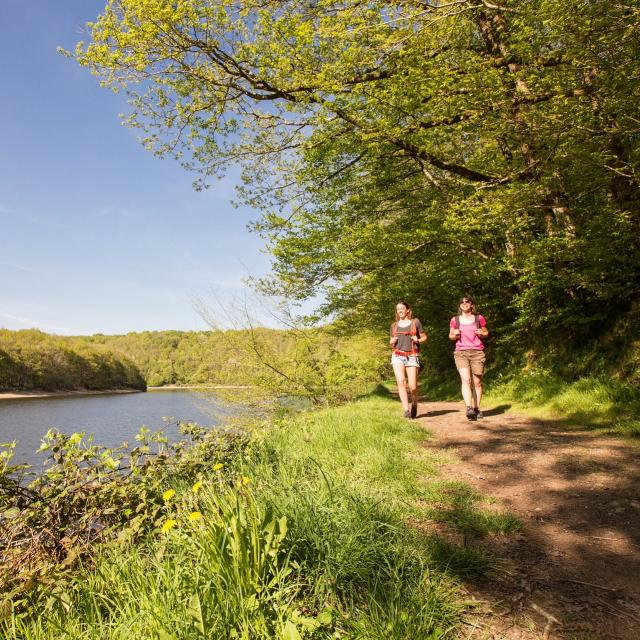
{"x":422,"y":335}
{"x":454,"y":333}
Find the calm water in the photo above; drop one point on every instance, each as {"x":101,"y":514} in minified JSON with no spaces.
{"x":112,"y":419}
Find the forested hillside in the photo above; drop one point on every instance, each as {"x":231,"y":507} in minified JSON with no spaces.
{"x":33,"y":360}
{"x":316,"y":363}
{"x":412,"y":150}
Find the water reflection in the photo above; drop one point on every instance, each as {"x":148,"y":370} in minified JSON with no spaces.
{"x":113,"y":418}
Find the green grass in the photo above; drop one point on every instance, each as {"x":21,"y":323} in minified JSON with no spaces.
{"x":597,"y":402}
{"x":594,"y":402}
{"x":327,"y":529}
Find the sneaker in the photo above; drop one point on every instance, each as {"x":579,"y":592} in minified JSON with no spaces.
{"x":414,"y":410}
{"x":471,"y":414}
{"x":479,"y":414}
{"x":407,"y":414}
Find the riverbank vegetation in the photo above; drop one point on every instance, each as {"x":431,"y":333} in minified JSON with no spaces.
{"x":33,"y":360}
{"x":315,"y":527}
{"x":316,"y":362}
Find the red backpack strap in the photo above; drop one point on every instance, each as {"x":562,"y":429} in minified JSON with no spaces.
{"x":476,"y":317}
{"x":456,"y":322}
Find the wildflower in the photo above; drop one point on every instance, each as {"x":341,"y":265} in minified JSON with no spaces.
{"x":195,"y":515}
{"x":245,"y":480}
{"x":196,"y":486}
{"x":217,"y":466}
{"x":168,"y":525}
{"x":168,"y":494}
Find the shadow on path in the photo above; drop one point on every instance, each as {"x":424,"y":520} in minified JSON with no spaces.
{"x":577,"y":494}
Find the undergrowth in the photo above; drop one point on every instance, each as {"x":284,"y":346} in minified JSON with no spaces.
{"x":325,"y":525}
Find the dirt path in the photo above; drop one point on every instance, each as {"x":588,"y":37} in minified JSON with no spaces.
{"x":578,"y":495}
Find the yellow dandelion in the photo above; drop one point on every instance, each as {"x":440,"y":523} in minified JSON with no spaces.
{"x":168,"y":525}
{"x":196,"y":486}
{"x":168,"y":494}
{"x":195,"y":515}
{"x":246,"y":480}
{"x":218,"y":466}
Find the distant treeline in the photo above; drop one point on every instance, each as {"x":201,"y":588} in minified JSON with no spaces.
{"x":317,"y":363}
{"x":33,"y":360}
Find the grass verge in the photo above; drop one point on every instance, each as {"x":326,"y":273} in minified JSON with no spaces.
{"x":593,"y":402}
{"x":327,"y":526}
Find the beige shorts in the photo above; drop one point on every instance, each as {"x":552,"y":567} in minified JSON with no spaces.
{"x":470,"y":359}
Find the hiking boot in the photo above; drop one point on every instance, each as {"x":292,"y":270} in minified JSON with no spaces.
{"x":479,"y":414}
{"x":407,"y":414}
{"x":414,"y":410}
{"x":471,"y":414}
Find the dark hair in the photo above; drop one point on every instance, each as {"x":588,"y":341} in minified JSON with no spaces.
{"x":470,"y":299}
{"x":404,"y":304}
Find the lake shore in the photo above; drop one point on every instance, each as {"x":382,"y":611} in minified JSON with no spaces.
{"x":25,"y":395}
{"x":197,"y":387}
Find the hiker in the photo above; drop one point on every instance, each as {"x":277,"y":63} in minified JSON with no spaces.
{"x":467,"y":330}
{"x":406,"y":335}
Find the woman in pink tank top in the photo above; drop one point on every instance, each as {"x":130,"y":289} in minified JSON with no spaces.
{"x":467,"y":330}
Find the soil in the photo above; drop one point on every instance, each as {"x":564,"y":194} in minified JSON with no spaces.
{"x":573,"y":571}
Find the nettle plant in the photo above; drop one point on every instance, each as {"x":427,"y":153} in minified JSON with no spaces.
{"x":87,"y":493}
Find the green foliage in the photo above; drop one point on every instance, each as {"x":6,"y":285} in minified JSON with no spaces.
{"x":86,"y":493}
{"x":407,"y":149}
{"x":301,"y":533}
{"x":314,"y":363}
{"x":596,"y":402}
{"x":31,"y":359}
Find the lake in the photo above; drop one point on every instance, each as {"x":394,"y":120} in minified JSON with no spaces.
{"x":112,"y":418}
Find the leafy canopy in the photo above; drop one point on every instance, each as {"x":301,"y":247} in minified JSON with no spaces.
{"x":406,"y":148}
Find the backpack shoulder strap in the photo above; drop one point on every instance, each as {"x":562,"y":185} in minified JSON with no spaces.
{"x":476,"y":317}
{"x":457,"y":322}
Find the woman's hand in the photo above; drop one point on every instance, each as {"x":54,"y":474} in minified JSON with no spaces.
{"x":393,"y":341}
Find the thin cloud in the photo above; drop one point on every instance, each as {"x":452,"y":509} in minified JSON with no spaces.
{"x":34,"y":219}
{"x":31,"y":270}
{"x":34,"y":324}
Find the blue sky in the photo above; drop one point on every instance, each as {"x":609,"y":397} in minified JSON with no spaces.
{"x":97,"y":235}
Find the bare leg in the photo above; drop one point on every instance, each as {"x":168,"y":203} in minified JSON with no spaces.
{"x":465,"y":377}
{"x":398,"y":369}
{"x":477,"y":385}
{"x":412,"y":375}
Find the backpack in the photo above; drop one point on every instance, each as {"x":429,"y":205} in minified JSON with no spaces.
{"x":413,"y":331}
{"x":476,"y":317}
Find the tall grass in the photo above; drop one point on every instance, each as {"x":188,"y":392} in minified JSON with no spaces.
{"x":597,"y":402}
{"x":314,"y":533}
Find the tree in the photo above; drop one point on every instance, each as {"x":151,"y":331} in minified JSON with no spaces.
{"x":407,"y":147}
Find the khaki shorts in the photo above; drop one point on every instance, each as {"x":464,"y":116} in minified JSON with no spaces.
{"x":470,"y":359}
